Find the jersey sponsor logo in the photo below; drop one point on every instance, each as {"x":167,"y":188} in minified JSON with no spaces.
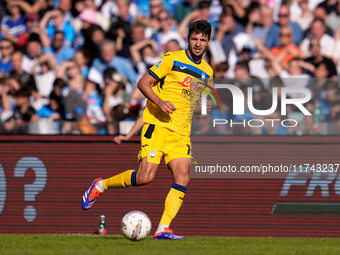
{"x":188,"y":82}
{"x":153,"y":154}
{"x":187,"y":94}
{"x":159,"y":63}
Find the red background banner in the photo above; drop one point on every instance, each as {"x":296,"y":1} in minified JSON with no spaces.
{"x":49,"y":174}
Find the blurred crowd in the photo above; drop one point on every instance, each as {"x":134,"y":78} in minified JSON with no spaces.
{"x":71,"y":67}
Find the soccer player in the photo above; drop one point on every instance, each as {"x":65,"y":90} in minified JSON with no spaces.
{"x":172,"y":86}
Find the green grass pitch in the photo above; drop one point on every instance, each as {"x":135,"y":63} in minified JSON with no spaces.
{"x":87,"y":244}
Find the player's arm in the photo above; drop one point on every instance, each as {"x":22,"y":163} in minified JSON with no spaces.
{"x":137,"y":126}
{"x":145,"y":86}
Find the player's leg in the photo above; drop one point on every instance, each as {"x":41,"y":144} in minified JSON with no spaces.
{"x":145,"y":174}
{"x":180,"y":169}
{"x":149,"y":158}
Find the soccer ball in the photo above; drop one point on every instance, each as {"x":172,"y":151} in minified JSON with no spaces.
{"x":135,"y":225}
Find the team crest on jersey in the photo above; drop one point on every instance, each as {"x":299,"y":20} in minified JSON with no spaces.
{"x":159,"y":63}
{"x":153,"y":154}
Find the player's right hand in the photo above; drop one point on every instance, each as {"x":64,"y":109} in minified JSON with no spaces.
{"x":167,"y":107}
{"x":119,"y":139}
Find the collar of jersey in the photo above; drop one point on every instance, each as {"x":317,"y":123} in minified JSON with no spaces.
{"x":197,"y":63}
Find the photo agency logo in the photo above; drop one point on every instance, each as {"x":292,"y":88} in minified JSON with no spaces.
{"x":240,"y":108}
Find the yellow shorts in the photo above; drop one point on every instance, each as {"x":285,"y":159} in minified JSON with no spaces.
{"x":158,"y":142}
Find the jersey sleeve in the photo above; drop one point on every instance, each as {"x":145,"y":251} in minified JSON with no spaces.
{"x":163,"y":66}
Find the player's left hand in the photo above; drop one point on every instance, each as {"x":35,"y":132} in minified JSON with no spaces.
{"x":118,"y":139}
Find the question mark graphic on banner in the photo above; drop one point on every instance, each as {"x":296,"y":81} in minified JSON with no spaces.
{"x":33,"y":189}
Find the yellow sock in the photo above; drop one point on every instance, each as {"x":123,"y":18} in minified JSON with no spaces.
{"x":173,"y":203}
{"x":122,"y":180}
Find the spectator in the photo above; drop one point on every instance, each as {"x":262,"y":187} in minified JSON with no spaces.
{"x":32,"y":23}
{"x":333,"y":19}
{"x":71,"y":72}
{"x":25,"y":78}
{"x":260,"y":20}
{"x":184,"y":8}
{"x":120,"y":29}
{"x":137,"y":32}
{"x":6,"y":110}
{"x":294,"y":75}
{"x":171,"y":45}
{"x":50,"y":111}
{"x":44,"y":74}
{"x":316,"y":58}
{"x":244,"y":79}
{"x":13,"y":26}
{"x":223,"y":111}
{"x":13,"y":84}
{"x":33,"y":51}
{"x":275,"y":127}
{"x":327,"y":42}
{"x":58,"y":24}
{"x":321,"y":14}
{"x":319,"y":85}
{"x":65,"y":6}
{"x":305,"y":18}
{"x":284,"y":20}
{"x":116,"y":105}
{"x":202,"y":12}
{"x":6,"y":49}
{"x":96,"y":37}
{"x":227,"y":29}
{"x":148,"y":13}
{"x":100,"y":19}
{"x":82,"y":59}
{"x":285,"y":52}
{"x":109,"y":59}
{"x":59,"y":51}
{"x":22,"y":114}
{"x":72,"y":95}
{"x":94,"y":99}
{"x":144,"y":55}
{"x":34,"y":8}
{"x":166,"y":28}
{"x":83,"y":24}
{"x":110,"y":9}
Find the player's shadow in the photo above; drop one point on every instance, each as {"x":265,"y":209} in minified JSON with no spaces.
{"x":121,"y":239}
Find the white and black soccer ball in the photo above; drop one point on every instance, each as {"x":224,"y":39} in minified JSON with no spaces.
{"x":135,"y":225}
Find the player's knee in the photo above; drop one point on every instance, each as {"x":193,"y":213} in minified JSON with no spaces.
{"x":183,"y":179}
{"x":145,"y":179}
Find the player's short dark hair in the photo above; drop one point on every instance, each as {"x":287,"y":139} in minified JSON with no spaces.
{"x":200,"y":26}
